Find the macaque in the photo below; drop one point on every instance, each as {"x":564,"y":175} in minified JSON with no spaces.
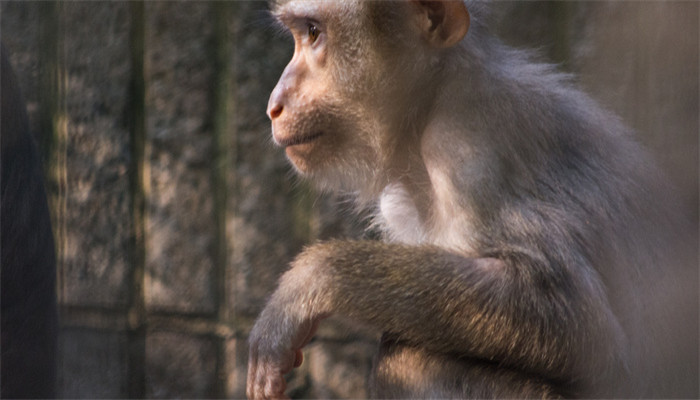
{"x":528,"y":241}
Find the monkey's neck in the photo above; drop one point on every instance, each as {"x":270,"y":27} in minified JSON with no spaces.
{"x":421,"y":204}
{"x":482,"y":109}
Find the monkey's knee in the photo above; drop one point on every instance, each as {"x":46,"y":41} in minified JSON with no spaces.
{"x":409,"y":372}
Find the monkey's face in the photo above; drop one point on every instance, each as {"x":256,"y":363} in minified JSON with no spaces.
{"x":305,"y":108}
{"x":326,"y":108}
{"x":358,"y":87}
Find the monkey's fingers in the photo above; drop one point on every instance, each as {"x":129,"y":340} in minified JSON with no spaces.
{"x":265,"y":382}
{"x":274,"y":386}
{"x":266,"y":373}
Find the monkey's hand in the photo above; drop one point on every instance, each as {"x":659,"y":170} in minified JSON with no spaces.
{"x":283,"y":328}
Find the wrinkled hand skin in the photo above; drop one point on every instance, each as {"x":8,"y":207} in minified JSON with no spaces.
{"x":283,"y":328}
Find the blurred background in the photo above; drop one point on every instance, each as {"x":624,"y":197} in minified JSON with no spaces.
{"x":174,"y":214}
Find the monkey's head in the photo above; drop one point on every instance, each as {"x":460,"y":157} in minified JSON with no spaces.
{"x":360,"y":84}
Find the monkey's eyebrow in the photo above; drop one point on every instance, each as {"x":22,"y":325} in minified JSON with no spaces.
{"x":291,"y":22}
{"x":291,"y":19}
{"x":292,"y":15}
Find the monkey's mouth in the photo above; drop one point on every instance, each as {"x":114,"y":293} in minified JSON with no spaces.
{"x":297,"y":140}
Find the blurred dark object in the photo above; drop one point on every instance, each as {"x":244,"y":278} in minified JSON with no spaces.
{"x":29,"y":311}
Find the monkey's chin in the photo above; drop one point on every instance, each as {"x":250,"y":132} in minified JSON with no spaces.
{"x":301,"y":157}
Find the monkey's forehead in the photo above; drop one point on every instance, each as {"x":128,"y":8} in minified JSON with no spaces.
{"x":281,"y":8}
{"x":274,"y":5}
{"x":479,"y":10}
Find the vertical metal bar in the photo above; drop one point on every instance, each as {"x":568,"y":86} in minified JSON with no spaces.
{"x":53,"y":123}
{"x":138,"y":185}
{"x":562,"y":14}
{"x":221,"y":149}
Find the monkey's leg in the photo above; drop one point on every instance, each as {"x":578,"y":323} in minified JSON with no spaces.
{"x":403,"y":371}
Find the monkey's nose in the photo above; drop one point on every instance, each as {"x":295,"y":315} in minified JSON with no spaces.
{"x":274,"y":110}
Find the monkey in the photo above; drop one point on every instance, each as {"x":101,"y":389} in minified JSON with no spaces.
{"x":29,"y":313}
{"x":526,"y":236}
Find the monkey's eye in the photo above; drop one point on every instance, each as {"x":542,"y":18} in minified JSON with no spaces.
{"x":313,"y":33}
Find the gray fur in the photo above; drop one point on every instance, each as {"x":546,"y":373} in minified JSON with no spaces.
{"x":532,"y":249}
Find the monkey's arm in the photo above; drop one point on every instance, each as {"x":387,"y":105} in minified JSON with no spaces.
{"x":515,"y":310}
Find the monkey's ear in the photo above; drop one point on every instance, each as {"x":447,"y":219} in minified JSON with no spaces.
{"x":443,"y":22}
